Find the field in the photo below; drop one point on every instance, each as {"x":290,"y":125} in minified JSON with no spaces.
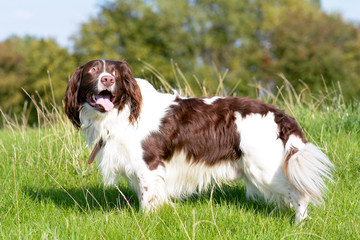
{"x":48,"y":191}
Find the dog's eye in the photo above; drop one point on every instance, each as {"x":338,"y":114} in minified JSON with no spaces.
{"x":93,"y":70}
{"x":115,"y":74}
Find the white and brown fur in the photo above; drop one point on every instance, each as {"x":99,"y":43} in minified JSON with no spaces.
{"x":169,"y":146}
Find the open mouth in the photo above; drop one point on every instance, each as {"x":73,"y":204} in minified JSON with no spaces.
{"x":102,"y":102}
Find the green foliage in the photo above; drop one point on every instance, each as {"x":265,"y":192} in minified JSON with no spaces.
{"x":29,"y":66}
{"x":317,"y":46}
{"x":12,"y":75}
{"x":252,"y":39}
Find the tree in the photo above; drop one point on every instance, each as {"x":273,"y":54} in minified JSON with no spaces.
{"x":12,"y":75}
{"x":318,"y":46}
{"x":248,"y":39}
{"x":253,"y":39}
{"x":32,"y":65}
{"x":195,"y":34}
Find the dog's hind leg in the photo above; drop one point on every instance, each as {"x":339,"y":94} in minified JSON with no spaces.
{"x":300,"y":202}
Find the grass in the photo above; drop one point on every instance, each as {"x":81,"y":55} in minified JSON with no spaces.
{"x":48,"y":191}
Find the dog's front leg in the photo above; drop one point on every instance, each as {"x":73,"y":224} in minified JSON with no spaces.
{"x":152,"y":189}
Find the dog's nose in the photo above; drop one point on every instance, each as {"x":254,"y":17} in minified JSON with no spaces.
{"x":108,"y":81}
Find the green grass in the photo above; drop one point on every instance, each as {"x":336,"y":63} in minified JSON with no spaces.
{"x":48,"y":191}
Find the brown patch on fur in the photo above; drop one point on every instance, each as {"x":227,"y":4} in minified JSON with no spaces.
{"x":129,"y":92}
{"x":204,"y":132}
{"x":286,"y":160}
{"x":71,"y":102}
{"x":288,"y":126}
{"x":207,"y":132}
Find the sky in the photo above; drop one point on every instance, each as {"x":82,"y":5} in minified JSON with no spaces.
{"x":45,"y":18}
{"x":62,"y":19}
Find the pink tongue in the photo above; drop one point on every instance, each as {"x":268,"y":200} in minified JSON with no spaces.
{"x":104,"y":102}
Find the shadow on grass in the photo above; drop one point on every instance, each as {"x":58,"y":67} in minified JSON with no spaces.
{"x":105,"y":199}
{"x":88,"y":198}
{"x":236,"y":195}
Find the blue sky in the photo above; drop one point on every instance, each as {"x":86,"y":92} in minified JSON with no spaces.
{"x":45,"y":18}
{"x":61,"y":19}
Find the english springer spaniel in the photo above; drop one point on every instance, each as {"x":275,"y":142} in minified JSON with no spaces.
{"x":168,"y":146}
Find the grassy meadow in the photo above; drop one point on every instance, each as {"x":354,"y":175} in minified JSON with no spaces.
{"x":48,"y":191}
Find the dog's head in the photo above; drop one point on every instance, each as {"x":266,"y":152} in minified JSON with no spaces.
{"x":104,"y":85}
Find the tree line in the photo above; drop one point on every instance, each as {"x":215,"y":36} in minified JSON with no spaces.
{"x":250,"y":40}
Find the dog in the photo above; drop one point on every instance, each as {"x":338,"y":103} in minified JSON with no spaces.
{"x":168,"y":146}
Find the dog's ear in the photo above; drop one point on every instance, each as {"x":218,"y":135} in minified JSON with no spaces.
{"x":130,"y":92}
{"x":71,"y":102}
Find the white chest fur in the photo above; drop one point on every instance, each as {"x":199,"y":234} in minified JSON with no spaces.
{"x":121,"y":153}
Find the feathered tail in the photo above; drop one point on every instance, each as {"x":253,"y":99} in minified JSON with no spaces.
{"x":307,"y":168}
